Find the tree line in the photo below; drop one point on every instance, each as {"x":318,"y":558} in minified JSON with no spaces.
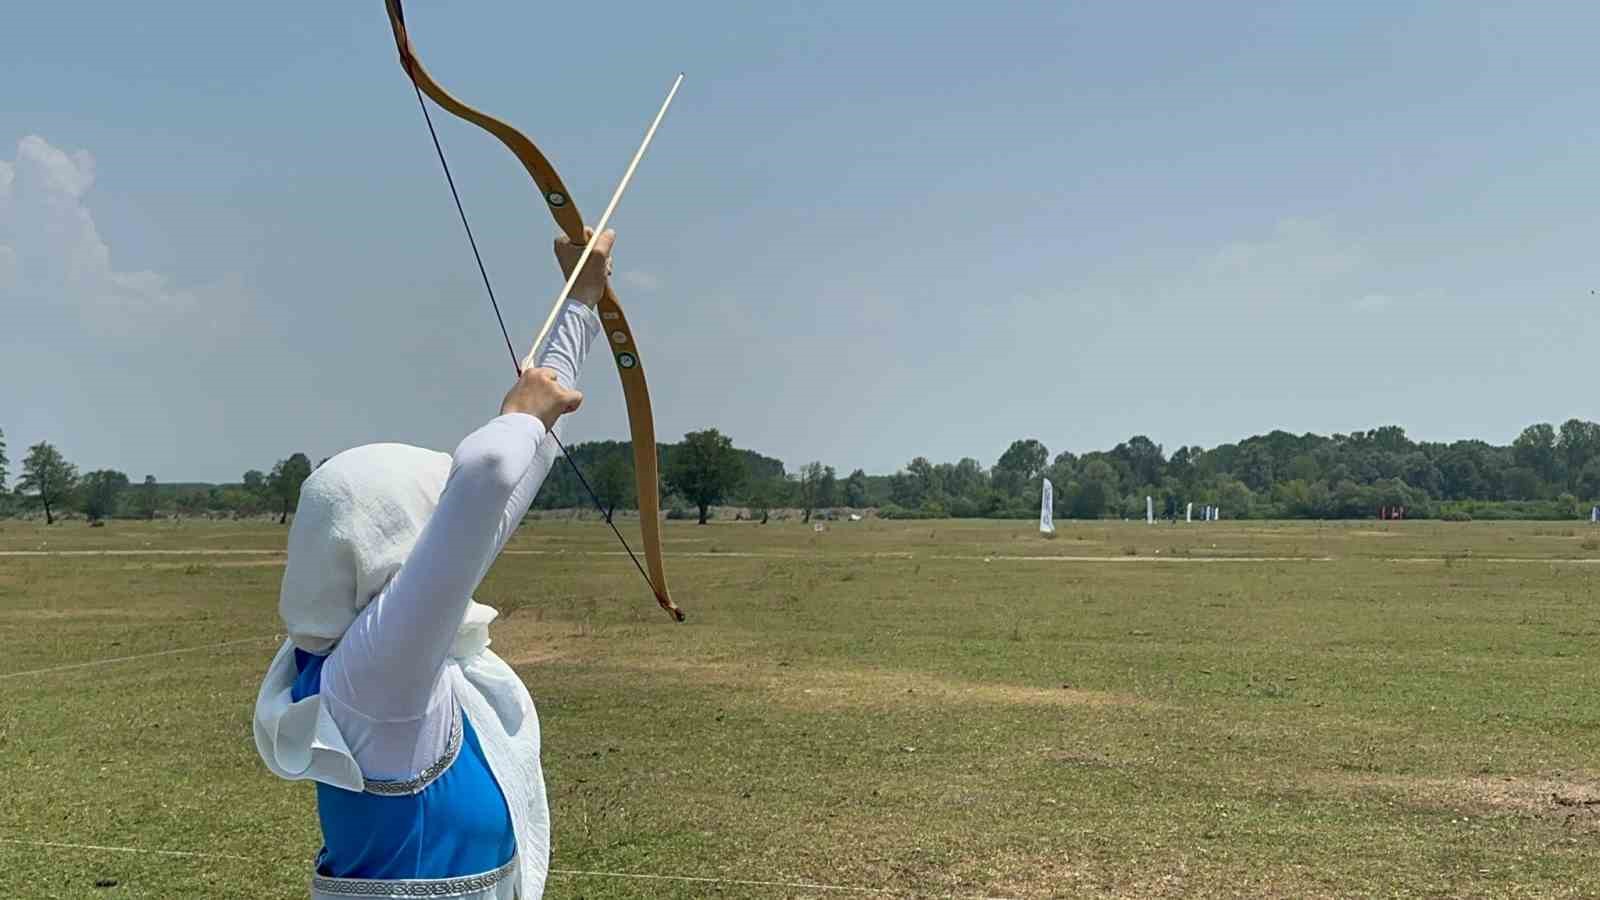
{"x":1547,"y":472}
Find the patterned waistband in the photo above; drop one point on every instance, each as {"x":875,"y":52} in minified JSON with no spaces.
{"x":412,"y":887}
{"x":426,"y":776}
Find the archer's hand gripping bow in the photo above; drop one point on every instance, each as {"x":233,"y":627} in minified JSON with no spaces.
{"x":641,"y":423}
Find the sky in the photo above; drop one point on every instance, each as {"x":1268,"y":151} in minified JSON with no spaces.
{"x":865,"y":232}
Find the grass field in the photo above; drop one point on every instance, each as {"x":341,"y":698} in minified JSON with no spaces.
{"x":923,"y":708}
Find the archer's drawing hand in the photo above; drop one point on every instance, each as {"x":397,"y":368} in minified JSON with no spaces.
{"x":537,"y":393}
{"x":591,"y":285}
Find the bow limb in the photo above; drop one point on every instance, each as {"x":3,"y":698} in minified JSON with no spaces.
{"x":624,"y":349}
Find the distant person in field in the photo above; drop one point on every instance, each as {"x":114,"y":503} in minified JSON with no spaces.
{"x":424,"y":745}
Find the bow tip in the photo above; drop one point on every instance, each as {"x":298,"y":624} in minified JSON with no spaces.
{"x":671,"y":608}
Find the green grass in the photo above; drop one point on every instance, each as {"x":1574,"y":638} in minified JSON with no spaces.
{"x":1401,"y":709}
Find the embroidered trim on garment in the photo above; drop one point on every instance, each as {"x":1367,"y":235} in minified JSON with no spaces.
{"x":415,"y":785}
{"x":413,"y":887}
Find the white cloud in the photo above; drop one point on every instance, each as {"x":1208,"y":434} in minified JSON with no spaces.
{"x":51,"y":248}
{"x":644,"y":281}
{"x":1299,"y":258}
{"x":1373,"y":302}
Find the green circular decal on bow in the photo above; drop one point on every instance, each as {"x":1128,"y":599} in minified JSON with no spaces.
{"x":626,"y":360}
{"x":556,"y":198}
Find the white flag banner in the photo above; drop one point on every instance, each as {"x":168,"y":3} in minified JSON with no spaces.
{"x":1047,"y":503}
{"x":1188,"y":513}
{"x":1149,"y":510}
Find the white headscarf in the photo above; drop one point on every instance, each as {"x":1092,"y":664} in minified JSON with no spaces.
{"x":359,"y":515}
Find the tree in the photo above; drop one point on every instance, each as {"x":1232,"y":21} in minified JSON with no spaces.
{"x":855,"y":489}
{"x":764,"y":493}
{"x":1589,"y":480}
{"x":1143,"y":458}
{"x":1578,"y":442}
{"x":47,"y":475}
{"x":828,"y":488}
{"x":810,"y":482}
{"x":704,"y":469}
{"x":147,"y":497}
{"x":1535,"y":449}
{"x":3,"y":460}
{"x":1523,"y":483}
{"x":284,"y":481}
{"x":1020,"y":465}
{"x":1253,"y":466}
{"x":1094,"y":490}
{"x":612,"y":479}
{"x":100,"y":491}
{"x":964,"y":480}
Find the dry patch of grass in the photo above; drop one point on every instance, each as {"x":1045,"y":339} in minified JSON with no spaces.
{"x":1573,"y":798}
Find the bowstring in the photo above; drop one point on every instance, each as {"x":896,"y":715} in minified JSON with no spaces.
{"x":506,"y":334}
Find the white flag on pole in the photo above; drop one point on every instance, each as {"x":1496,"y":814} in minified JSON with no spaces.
{"x":1149,"y":510}
{"x":1188,"y":513}
{"x":1047,"y":502}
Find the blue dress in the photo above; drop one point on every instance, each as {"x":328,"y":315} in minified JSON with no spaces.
{"x":448,"y":824}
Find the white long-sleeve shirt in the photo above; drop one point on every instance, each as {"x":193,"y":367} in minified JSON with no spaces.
{"x":382,"y":680}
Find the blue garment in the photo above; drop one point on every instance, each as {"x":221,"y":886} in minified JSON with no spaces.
{"x":457,"y":825}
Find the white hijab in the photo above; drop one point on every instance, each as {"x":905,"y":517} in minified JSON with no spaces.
{"x":359,"y":515}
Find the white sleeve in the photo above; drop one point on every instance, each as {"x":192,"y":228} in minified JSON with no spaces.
{"x":564,"y":351}
{"x":383,"y":677}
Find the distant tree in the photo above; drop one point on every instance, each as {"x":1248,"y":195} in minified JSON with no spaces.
{"x":1523,"y":483}
{"x":1535,"y":450}
{"x":3,"y":461}
{"x":147,"y":497}
{"x":1062,"y":472}
{"x":966,"y":479}
{"x":100,"y":490}
{"x":1235,"y":499}
{"x":190,"y":502}
{"x":1143,"y":458}
{"x":1578,"y":443}
{"x":1589,"y":480}
{"x":809,"y":481}
{"x":765,"y":492}
{"x":284,"y":481}
{"x":612,"y":479}
{"x":48,"y":476}
{"x":704,"y":469}
{"x":828,"y":488}
{"x":1095,"y":489}
{"x":855,"y":489}
{"x":1253,"y":466}
{"x":1303,"y":467}
{"x":1021,"y":464}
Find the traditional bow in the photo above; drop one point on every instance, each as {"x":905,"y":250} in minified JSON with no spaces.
{"x":636,"y":394}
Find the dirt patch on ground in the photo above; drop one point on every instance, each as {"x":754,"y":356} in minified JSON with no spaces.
{"x":810,"y":688}
{"x":871,"y":688}
{"x":226,"y":564}
{"x":80,"y":612}
{"x":1573,"y":797}
{"x":1172,"y":874}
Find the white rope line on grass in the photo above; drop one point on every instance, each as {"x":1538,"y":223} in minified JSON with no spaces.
{"x":198,"y":551}
{"x":117,"y":659}
{"x":67,"y":846}
{"x":1137,"y":559}
{"x":564,"y":873}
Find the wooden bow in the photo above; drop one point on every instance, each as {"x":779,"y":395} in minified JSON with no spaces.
{"x":636,"y":394}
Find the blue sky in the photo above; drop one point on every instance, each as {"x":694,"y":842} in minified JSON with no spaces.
{"x":866,"y":232}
